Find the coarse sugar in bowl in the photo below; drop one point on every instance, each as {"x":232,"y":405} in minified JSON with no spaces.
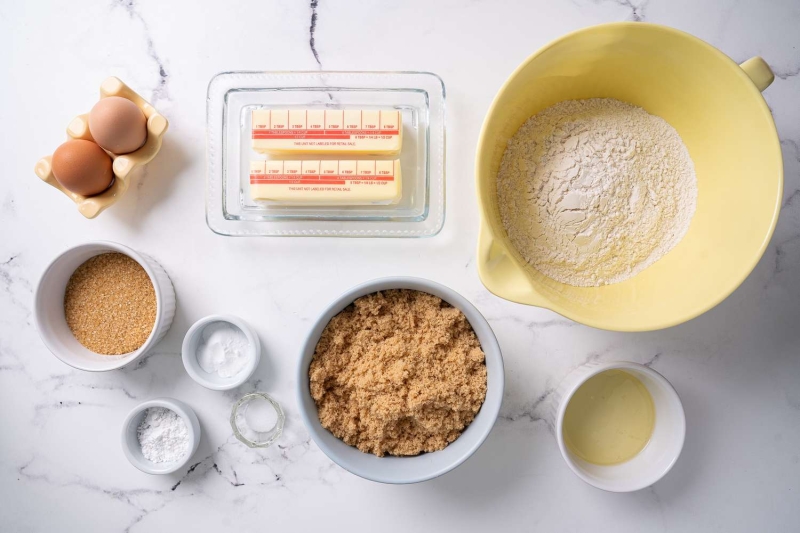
{"x":51,"y":318}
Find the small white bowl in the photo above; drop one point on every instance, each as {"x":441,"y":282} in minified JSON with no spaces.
{"x":214,"y":381}
{"x":130,"y":437}
{"x":657,"y":457}
{"x":49,"y":307}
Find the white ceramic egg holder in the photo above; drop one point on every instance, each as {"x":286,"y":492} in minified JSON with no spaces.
{"x":91,"y":206}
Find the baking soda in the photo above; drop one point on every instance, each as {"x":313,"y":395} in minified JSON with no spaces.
{"x":223,"y":349}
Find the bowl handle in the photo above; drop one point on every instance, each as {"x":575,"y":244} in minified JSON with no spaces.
{"x":501,"y":274}
{"x":759,"y":72}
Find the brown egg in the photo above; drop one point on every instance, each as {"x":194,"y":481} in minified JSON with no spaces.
{"x":118,"y":125}
{"x":82,"y":167}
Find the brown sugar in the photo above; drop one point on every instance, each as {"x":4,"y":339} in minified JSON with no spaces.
{"x":398,"y":372}
{"x":110,"y":304}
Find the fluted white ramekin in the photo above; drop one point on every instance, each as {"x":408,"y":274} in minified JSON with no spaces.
{"x":49,"y":307}
{"x":657,"y":457}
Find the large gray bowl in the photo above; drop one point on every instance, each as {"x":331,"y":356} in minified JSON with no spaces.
{"x":423,"y":467}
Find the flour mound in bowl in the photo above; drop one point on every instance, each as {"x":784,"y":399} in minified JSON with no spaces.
{"x":592,"y":192}
{"x":398,"y":372}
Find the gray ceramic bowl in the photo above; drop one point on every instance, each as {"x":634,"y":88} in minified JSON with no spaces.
{"x":423,"y":467}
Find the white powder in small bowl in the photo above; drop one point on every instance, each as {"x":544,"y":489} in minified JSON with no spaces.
{"x":223,"y":349}
{"x":163,"y":435}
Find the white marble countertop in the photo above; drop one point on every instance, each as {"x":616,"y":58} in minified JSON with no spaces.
{"x":737,"y":368}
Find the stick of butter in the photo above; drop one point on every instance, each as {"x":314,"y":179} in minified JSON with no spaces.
{"x":331,"y":131}
{"x":332,"y":182}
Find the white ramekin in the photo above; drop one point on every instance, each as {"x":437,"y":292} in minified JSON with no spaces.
{"x":49,"y":307}
{"x":130,"y":436}
{"x":660,"y":454}
{"x":213,"y":381}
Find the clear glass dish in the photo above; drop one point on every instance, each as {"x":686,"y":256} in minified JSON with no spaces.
{"x":255,"y":437}
{"x":232,"y":96}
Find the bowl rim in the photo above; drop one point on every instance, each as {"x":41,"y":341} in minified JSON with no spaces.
{"x":490,"y":346}
{"x":595,"y":370}
{"x":773,"y":134}
{"x":189,"y":418}
{"x":191,"y":364}
{"x":115,"y":361}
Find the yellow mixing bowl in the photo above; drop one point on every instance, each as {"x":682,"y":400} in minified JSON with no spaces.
{"x":717,"y":108}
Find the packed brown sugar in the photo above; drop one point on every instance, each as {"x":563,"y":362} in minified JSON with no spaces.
{"x":110,"y":304}
{"x":398,"y":372}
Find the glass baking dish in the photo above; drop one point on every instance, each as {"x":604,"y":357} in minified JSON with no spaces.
{"x":418,"y":96}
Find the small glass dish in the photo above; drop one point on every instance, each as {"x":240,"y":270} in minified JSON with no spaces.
{"x":233,"y":96}
{"x":256,"y":437}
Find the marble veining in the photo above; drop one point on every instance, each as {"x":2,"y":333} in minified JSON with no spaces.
{"x":637,"y":10}
{"x":61,"y":465}
{"x":161,"y":90}
{"x":311,"y":29}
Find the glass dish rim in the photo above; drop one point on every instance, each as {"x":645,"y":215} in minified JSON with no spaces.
{"x":274,"y":433}
{"x":431,"y":223}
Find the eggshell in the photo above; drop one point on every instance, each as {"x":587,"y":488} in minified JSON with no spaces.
{"x":118,"y":125}
{"x":82,"y":167}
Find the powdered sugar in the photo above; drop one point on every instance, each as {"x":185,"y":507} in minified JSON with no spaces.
{"x":594,"y":191}
{"x":163,"y":435}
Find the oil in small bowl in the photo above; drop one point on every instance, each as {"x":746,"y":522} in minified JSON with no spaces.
{"x":609,"y":419}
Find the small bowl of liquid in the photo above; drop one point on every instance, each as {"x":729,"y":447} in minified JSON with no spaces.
{"x":620,"y":426}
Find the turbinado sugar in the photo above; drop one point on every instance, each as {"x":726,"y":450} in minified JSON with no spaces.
{"x":110,"y":304}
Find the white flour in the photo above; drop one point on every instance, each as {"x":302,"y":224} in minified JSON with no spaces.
{"x":592,"y":192}
{"x":163,"y":435}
